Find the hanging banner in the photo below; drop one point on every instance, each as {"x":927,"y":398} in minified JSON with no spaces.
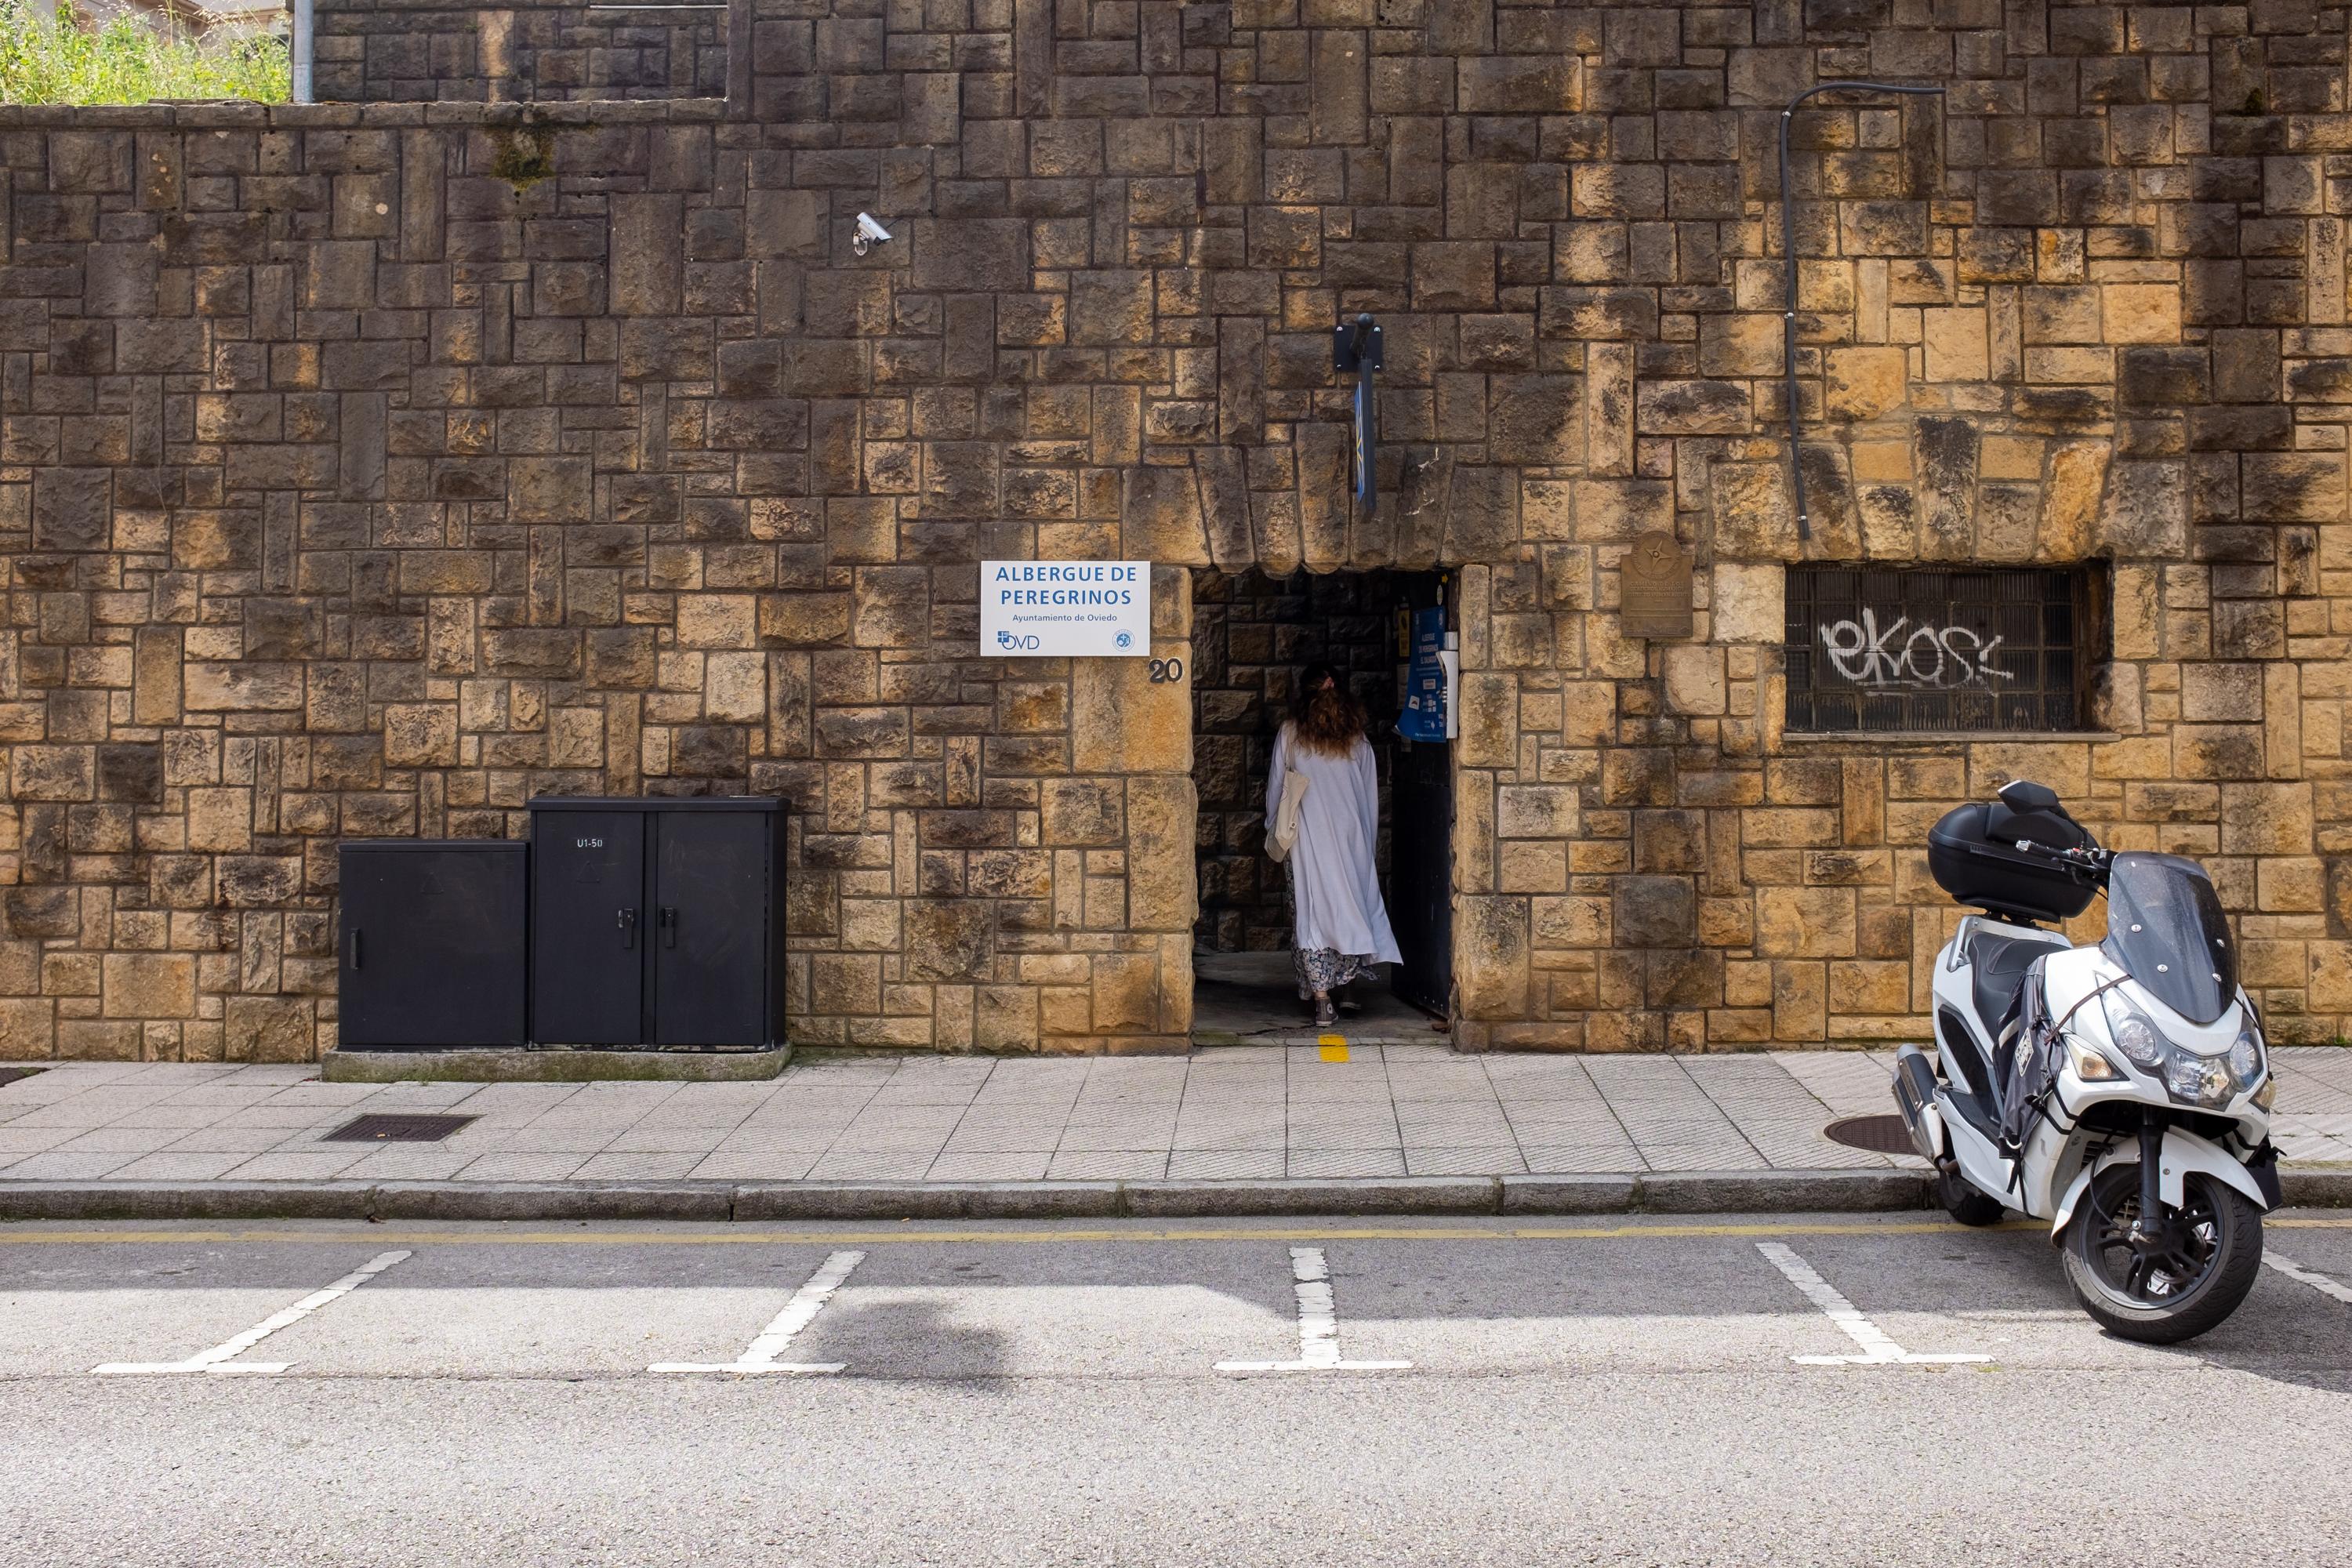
{"x":1428,"y":686}
{"x":1066,"y":609}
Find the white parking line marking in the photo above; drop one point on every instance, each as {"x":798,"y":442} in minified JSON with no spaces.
{"x":217,"y":1359}
{"x":760,"y":1355}
{"x":1318,"y":1325}
{"x":1877,"y":1350}
{"x":2317,"y":1281}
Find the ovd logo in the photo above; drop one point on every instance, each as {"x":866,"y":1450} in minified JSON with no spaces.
{"x":1008,"y":640}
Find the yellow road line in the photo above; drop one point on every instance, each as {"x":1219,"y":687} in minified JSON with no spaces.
{"x":748,"y":1236}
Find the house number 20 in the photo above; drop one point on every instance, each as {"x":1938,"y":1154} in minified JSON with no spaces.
{"x":1164,"y":670}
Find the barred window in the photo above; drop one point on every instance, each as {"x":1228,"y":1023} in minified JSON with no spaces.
{"x":1919,"y":648}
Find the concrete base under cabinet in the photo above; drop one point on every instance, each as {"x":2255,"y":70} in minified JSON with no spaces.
{"x":549,"y":1064}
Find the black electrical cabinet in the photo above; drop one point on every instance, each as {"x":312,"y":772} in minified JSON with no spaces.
{"x":433,"y":943}
{"x":658,"y":921}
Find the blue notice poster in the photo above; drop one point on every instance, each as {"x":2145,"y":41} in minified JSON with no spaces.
{"x":1423,"y":718}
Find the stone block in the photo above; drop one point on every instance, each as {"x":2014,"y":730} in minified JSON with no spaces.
{"x":1694,"y":679}
{"x":1123,"y":721}
{"x":1655,"y":912}
{"x":548,"y":489}
{"x":150,"y":985}
{"x":1161,"y":819}
{"x":53,"y":773}
{"x":1865,"y":383}
{"x":1748,"y":602}
{"x":1535,"y":811}
{"x":2266,"y":819}
{"x":1804,"y":923}
{"x":1082,"y":812}
{"x":948,"y":939}
{"x":1490,"y":973}
{"x":268,"y":1029}
{"x":1691,"y":408}
{"x":1955,"y":344}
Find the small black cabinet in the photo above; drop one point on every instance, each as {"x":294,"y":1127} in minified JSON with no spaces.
{"x":432,"y":943}
{"x":658,"y":921}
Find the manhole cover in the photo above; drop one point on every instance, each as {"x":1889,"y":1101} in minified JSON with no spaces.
{"x":1879,"y":1134}
{"x":397,"y":1129}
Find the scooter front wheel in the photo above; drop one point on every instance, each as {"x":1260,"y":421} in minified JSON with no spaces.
{"x":2170,"y":1282}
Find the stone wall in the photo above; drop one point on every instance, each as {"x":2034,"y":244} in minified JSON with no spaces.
{"x":371,"y":470}
{"x":522,"y":51}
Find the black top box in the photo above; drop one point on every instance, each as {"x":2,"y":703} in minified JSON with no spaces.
{"x":1972,"y":853}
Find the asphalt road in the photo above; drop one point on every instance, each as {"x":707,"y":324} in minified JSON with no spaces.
{"x":1613,"y":1393}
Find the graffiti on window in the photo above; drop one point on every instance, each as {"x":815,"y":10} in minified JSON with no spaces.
{"x":1924,"y":648}
{"x":1902,"y":654}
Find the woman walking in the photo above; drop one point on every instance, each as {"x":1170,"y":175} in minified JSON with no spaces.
{"x":1340,"y":926}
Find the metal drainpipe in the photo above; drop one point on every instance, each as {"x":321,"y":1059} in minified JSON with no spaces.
{"x":1789,"y":265}
{"x":301,"y":54}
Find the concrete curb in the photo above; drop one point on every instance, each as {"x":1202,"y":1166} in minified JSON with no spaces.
{"x":1753,"y":1191}
{"x":2316,"y":1187}
{"x":549,"y":1064}
{"x":1664,"y":1192}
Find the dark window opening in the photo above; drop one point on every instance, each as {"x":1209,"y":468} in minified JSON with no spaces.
{"x":1923,"y":648}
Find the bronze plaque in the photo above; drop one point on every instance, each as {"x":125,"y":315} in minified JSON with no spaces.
{"x":1654,"y":595}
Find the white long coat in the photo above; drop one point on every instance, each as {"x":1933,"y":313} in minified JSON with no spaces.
{"x":1334,"y":875}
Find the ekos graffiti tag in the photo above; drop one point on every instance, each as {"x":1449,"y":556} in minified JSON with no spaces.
{"x":1924,"y":655}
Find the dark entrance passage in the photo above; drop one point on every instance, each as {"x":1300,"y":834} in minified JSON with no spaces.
{"x":1252,"y":635}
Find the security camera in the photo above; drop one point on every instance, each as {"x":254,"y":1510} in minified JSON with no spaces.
{"x":870,"y":234}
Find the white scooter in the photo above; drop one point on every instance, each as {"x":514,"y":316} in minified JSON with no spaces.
{"x":2120,"y":1091}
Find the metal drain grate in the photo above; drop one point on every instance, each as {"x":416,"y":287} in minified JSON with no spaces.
{"x":385,"y":1128}
{"x":1879,"y":1134}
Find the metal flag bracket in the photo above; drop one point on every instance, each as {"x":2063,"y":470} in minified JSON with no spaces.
{"x":1356,"y":346}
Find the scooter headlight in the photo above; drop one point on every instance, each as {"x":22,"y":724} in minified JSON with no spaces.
{"x":2142,"y":1043}
{"x":2202,"y":1080}
{"x":2197,"y":1080}
{"x":2246,"y":1059}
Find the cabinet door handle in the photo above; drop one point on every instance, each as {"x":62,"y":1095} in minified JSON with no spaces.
{"x":355,"y":947}
{"x":626,"y":919}
{"x":669,"y":925}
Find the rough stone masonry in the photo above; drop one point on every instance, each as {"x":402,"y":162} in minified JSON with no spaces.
{"x":370,"y":469}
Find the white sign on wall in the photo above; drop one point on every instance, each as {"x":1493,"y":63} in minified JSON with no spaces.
{"x":1066,"y":609}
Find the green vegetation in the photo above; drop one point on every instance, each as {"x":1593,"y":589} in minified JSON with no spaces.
{"x":132,"y":59}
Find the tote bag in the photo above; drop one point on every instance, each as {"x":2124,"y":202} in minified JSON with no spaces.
{"x":1285,"y":837}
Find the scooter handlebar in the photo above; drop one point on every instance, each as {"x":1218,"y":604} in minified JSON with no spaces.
{"x":2091,"y":862}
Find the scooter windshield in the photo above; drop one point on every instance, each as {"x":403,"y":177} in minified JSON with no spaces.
{"x":2165,"y":926}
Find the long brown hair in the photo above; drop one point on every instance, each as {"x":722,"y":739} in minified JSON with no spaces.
{"x":1324,"y":718}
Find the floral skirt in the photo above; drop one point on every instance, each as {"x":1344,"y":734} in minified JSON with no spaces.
{"x":1324,"y":969}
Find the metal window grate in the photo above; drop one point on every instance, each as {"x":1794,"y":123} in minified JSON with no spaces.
{"x":1888,"y":648}
{"x":385,"y":1128}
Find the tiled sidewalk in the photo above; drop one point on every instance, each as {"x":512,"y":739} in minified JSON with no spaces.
{"x":1241,"y":1112}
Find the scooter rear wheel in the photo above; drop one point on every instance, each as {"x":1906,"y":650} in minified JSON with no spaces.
{"x":2177,"y":1288}
{"x":1964,"y":1203}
